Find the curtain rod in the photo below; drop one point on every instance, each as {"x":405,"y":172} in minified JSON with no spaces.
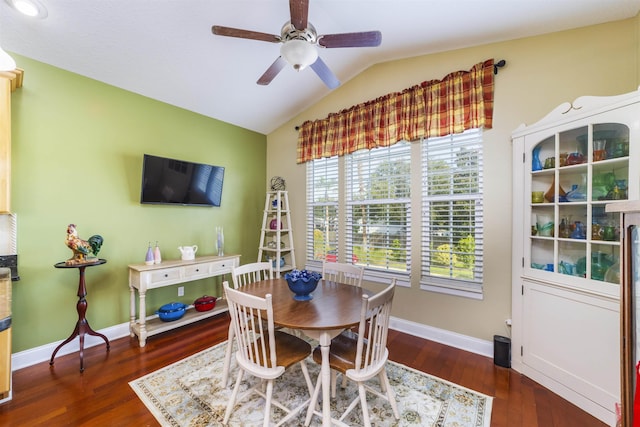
{"x":497,"y":65}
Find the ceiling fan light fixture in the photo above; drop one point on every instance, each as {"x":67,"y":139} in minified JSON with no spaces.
{"x":30,"y":8}
{"x":299,"y":53}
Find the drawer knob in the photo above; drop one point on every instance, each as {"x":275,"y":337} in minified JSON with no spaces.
{"x":166,"y":275}
{"x":197,"y":270}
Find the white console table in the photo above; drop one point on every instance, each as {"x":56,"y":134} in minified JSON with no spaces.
{"x":144,"y":277}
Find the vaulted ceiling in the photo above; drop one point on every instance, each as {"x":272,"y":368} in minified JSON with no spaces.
{"x":165,"y":49}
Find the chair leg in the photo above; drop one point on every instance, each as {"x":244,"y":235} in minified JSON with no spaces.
{"x":307,"y":378}
{"x":334,"y":376}
{"x":232,"y":399}
{"x":267,"y":405}
{"x":314,"y":401}
{"x":363,"y":405}
{"x":227,"y":357}
{"x":390,"y":394}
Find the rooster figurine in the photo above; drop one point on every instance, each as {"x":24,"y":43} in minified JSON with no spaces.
{"x":84,"y":251}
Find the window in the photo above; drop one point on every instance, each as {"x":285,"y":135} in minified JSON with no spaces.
{"x":360,"y":207}
{"x":322,"y":209}
{"x":452,"y":222}
{"x":378,"y":216}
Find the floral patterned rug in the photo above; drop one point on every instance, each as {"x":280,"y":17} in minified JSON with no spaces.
{"x":189,"y":393}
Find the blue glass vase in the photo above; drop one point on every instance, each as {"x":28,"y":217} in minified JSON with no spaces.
{"x":536,"y":164}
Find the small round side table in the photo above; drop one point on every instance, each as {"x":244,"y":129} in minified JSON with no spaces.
{"x":82,"y":326}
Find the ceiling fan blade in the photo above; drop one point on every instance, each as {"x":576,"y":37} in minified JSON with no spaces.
{"x":272,"y":71}
{"x":244,"y":34}
{"x":361,"y":39}
{"x":299,"y":10}
{"x":325,"y":74}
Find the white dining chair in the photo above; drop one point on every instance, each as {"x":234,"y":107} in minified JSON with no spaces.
{"x":350,"y":274}
{"x":243,"y":275}
{"x":263,"y":353}
{"x":341,"y":272}
{"x":362,"y":358}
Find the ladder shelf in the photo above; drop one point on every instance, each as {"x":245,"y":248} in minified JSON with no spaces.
{"x":276,"y":236}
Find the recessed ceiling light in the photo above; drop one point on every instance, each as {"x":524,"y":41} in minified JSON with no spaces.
{"x":30,"y":8}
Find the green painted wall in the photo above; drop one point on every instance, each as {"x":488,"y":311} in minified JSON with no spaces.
{"x":77,"y":148}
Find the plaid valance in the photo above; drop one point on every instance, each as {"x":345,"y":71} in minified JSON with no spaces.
{"x":460,"y":101}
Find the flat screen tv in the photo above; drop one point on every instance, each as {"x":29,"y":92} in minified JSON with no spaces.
{"x":178,"y":182}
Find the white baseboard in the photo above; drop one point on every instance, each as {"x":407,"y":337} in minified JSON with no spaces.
{"x":43,"y":353}
{"x":453,"y":339}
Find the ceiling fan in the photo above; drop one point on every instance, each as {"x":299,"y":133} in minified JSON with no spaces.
{"x":299,"y":44}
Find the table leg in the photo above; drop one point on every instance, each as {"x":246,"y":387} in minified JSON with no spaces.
{"x":82,"y":325}
{"x":325,"y":342}
{"x":142,"y":339}
{"x":324,"y":338}
{"x":132,"y":310}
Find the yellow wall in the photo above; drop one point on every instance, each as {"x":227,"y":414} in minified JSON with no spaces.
{"x":541,"y":73}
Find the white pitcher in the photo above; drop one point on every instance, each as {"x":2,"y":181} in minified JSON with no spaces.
{"x":188,"y":252}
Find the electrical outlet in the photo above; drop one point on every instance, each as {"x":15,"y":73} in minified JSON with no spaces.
{"x":180,"y":291}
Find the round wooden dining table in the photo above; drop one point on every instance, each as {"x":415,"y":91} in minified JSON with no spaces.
{"x":333,"y":308}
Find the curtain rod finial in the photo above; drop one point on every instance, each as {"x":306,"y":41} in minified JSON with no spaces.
{"x":499,"y":64}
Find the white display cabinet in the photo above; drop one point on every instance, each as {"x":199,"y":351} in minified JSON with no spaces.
{"x":566,"y":246}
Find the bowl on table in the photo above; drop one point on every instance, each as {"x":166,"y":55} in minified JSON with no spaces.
{"x":302,"y":283}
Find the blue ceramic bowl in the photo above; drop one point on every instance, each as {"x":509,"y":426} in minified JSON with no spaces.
{"x":302,"y":283}
{"x":172,"y":311}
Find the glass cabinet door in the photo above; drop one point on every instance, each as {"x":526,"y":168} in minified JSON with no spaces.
{"x":573,"y":175}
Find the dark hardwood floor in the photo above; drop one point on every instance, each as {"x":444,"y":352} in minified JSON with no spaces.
{"x":61,"y":396}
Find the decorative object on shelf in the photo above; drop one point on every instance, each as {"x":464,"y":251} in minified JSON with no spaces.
{"x":278,"y":184}
{"x":574,"y":158}
{"x":564,"y":229}
{"x":220,"y":241}
{"x":148,"y":259}
{"x":566,"y":268}
{"x":205,"y":303}
{"x":578,"y":232}
{"x":551,"y":192}
{"x":84,"y":251}
{"x":612,"y":275}
{"x":537,"y":197}
{"x":599,"y":150}
{"x":536,"y":164}
{"x":172,"y":311}
{"x":188,"y":252}
{"x":273,"y":262}
{"x":302,"y":283}
{"x":576,"y":194}
{"x":600,"y":263}
{"x":618,"y":147}
{"x":550,"y":163}
{"x":609,"y":233}
{"x":157,"y":257}
{"x":274,"y":224}
{"x":563,"y":159}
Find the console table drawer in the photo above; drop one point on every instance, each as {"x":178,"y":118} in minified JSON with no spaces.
{"x":159,"y":276}
{"x":192,"y":272}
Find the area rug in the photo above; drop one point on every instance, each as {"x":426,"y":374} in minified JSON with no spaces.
{"x":189,"y":393}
